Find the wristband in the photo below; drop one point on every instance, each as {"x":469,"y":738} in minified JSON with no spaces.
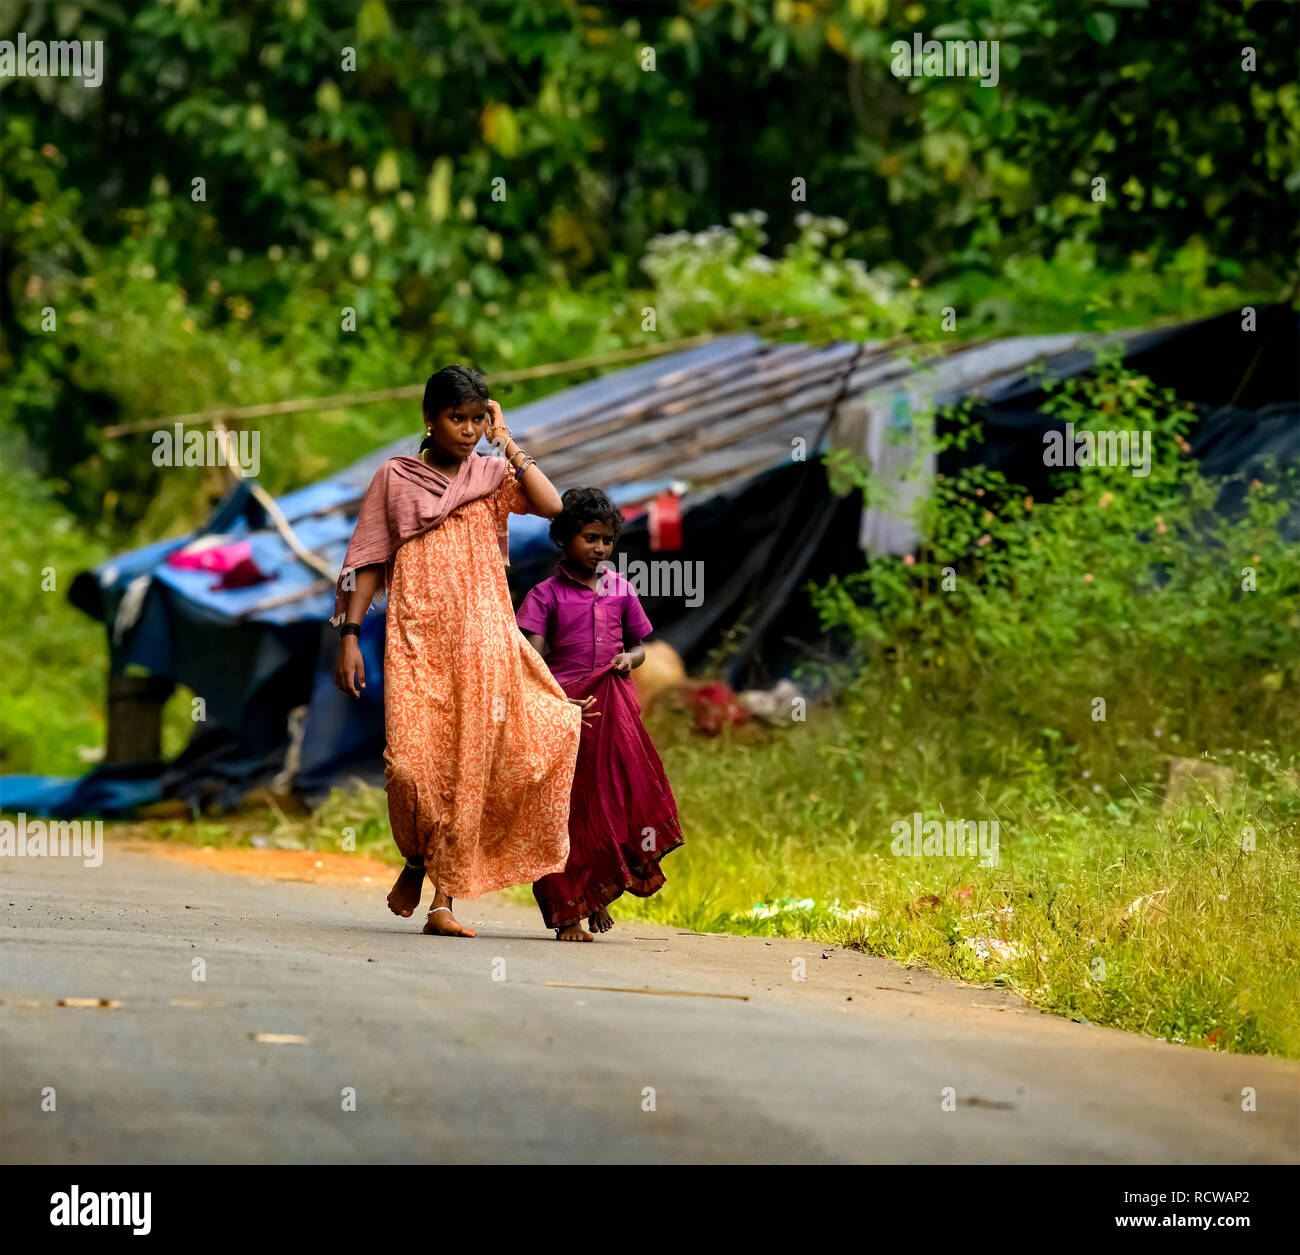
{"x":350,"y":629}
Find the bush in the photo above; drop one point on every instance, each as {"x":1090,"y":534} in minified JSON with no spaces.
{"x":1118,"y":620}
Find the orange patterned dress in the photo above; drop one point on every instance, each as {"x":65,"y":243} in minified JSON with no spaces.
{"x":482,"y":741}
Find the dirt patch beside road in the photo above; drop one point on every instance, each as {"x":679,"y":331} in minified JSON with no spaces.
{"x":312,"y":866}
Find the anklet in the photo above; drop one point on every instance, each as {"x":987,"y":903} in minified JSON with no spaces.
{"x":436,"y":909}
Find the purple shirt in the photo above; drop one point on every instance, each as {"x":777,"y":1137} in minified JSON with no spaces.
{"x":584,"y":629}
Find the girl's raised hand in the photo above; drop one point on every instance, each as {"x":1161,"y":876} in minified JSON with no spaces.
{"x":496,"y":429}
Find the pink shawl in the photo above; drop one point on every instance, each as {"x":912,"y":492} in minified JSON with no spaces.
{"x":407,"y":498}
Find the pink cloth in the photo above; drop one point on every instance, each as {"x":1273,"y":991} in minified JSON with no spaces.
{"x":407,"y":498}
{"x":218,"y":558}
{"x":584,"y":628}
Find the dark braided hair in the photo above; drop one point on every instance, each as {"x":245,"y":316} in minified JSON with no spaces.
{"x":447,"y":389}
{"x":583,"y":506}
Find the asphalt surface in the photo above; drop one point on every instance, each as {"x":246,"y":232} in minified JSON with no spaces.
{"x":492,"y":1050}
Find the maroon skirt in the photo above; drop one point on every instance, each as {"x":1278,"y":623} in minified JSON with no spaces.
{"x":622,"y":816}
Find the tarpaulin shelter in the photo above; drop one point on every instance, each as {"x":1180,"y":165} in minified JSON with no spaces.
{"x":726,"y":437}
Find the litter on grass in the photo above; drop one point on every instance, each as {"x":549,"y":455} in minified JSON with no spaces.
{"x":783,"y":906}
{"x":994,"y":950}
{"x":789,"y":906}
{"x":1001,"y":912}
{"x":1148,"y":904}
{"x":857,"y":913}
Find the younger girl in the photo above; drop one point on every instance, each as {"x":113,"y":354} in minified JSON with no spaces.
{"x":588,"y":623}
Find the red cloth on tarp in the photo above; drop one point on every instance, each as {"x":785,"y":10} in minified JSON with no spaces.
{"x":622,"y":815}
{"x":244,"y":574}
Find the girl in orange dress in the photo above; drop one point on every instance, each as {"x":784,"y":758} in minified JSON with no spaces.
{"x":481,"y":740}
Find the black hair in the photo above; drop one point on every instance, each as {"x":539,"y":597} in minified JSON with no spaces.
{"x":583,"y":506}
{"x":447,"y":389}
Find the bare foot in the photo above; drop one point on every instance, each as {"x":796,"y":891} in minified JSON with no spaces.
{"x":443,"y":923}
{"x":573,"y":932}
{"x":600,"y":921}
{"x":404,"y":896}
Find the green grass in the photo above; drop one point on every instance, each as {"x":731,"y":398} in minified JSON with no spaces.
{"x":1216,"y":962}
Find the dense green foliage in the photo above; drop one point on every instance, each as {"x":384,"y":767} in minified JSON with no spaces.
{"x":1128,"y":587}
{"x":486,"y":182}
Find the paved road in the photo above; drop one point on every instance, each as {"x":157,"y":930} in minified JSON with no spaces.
{"x":450,"y":1064}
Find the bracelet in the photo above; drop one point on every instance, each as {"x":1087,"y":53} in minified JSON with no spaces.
{"x":510,"y":457}
{"x":523,"y":466}
{"x":349,"y":629}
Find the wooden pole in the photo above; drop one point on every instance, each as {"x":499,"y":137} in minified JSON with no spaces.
{"x":408,"y":392}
